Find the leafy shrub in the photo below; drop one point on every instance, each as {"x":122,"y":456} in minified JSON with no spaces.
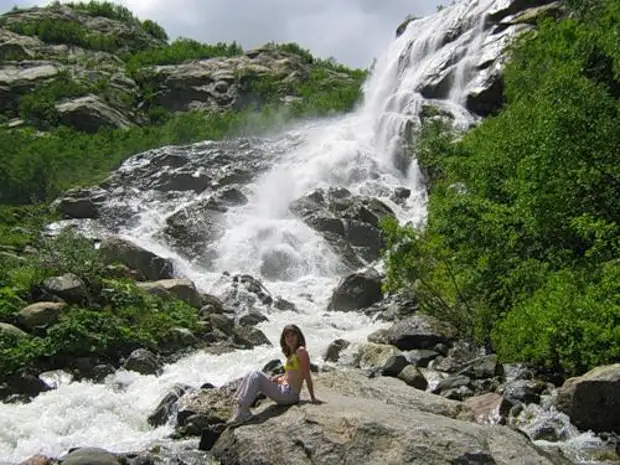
{"x":523,"y":227}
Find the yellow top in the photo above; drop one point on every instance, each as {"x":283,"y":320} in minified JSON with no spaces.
{"x":292,"y":363}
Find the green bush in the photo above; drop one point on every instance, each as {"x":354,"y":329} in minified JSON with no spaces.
{"x":523,"y":210}
{"x":179,"y":51}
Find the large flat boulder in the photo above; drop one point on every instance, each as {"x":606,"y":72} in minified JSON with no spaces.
{"x":90,"y":114}
{"x":353,"y":428}
{"x":592,"y":401}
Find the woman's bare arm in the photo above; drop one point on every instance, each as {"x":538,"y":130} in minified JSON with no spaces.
{"x":304,"y":362}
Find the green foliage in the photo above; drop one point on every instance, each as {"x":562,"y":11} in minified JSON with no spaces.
{"x":154,"y":29}
{"x":128,"y":319}
{"x":58,"y":31}
{"x":39,"y":106}
{"x":523,"y":225}
{"x":179,"y":51}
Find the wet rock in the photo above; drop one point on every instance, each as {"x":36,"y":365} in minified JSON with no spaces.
{"x":252,"y":319}
{"x":183,"y":289}
{"x":249,"y":337}
{"x":90,"y":456}
{"x":517,"y":371}
{"x":207,"y":406}
{"x":67,"y":287}
{"x":349,"y":224}
{"x":284,"y":305}
{"x":394,"y":365}
{"x":167,"y":406}
{"x":40,"y":315}
{"x":80,"y":203}
{"x":151,"y":266}
{"x":413,"y":377}
{"x":38,"y":460}
{"x":55,"y":378}
{"x":247,"y":283}
{"x":179,"y":339}
{"x":452,"y":382}
{"x":419,"y":332}
{"x":180,"y":180}
{"x":459,"y":393}
{"x":393,"y":308}
{"x":223,"y":323}
{"x":482,"y":368}
{"x":210,"y":435}
{"x":489,"y":408}
{"x":332,"y":354}
{"x":420,"y":358}
{"x":592,"y":401}
{"x":357,"y":291}
{"x":523,"y":391}
{"x":274,"y":367}
{"x":144,"y":362}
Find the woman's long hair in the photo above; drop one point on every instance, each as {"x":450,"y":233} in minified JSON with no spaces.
{"x":301,"y":340}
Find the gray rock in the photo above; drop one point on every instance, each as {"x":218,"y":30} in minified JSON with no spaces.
{"x":41,"y":314}
{"x":374,"y":356}
{"x":167,"y":406}
{"x":592,"y":401}
{"x":489,"y":408}
{"x":144,"y":362}
{"x":223,"y":323}
{"x":151,"y":266}
{"x":349,"y":224}
{"x":413,"y":377}
{"x":68,"y":287}
{"x":523,"y":391}
{"x":91,"y":114}
{"x":357,"y":291}
{"x":420,"y":332}
{"x":183,"y":289}
{"x":249,"y":337}
{"x":90,"y":456}
{"x":421,"y":358}
{"x":394,"y":365}
{"x":252,"y":319}
{"x":355,"y":426}
{"x":453,"y":382}
{"x":11,"y":331}
{"x":332,"y":353}
{"x":484,"y":367}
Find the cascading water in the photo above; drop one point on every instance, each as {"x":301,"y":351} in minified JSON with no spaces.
{"x":361,"y":151}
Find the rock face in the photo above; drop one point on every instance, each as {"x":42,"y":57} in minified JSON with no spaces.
{"x":151,"y":267}
{"x":483,"y":95}
{"x":357,"y":291}
{"x":417,"y":332}
{"x":592,"y":401}
{"x":350,"y":224}
{"x":371,"y":429}
{"x":90,"y":114}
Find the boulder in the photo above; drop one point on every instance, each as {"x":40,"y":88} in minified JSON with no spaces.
{"x":373,"y":357}
{"x":38,"y":460}
{"x":332,"y":353}
{"x":166,"y":406}
{"x":349,"y":223}
{"x":68,"y":287}
{"x":90,"y":456}
{"x":151,"y":266}
{"x":183,"y":289}
{"x":356,"y":291}
{"x":41,"y":314}
{"x":80,"y":203}
{"x":91,"y":114}
{"x":352,"y":426}
{"x":489,"y":408}
{"x":249,"y":337}
{"x":592,"y":401}
{"x":252,"y":319}
{"x":144,"y":362}
{"x":418,"y":332}
{"x":413,"y":377}
{"x":11,"y":331}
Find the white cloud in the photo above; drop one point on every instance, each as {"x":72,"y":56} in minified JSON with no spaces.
{"x":352,"y":31}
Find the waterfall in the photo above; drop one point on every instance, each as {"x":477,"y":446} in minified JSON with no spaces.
{"x":361,"y":151}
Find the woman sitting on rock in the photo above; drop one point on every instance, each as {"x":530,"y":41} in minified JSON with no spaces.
{"x":283,"y":389}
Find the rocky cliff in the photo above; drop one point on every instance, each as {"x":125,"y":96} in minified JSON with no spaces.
{"x":91,"y":67}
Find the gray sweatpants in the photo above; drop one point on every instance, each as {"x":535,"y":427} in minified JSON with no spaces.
{"x":256,"y":382}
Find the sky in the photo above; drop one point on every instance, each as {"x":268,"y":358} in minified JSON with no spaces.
{"x":352,"y":31}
